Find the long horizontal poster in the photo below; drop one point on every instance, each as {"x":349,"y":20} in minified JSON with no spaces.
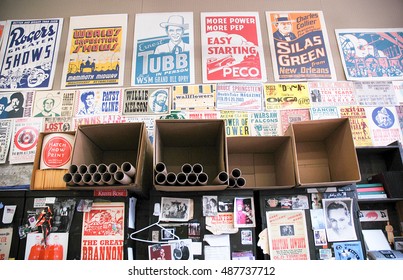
{"x":371,"y":54}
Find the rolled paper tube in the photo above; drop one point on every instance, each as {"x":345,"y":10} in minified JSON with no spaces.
{"x":73,"y":168}
{"x":191,"y":178}
{"x":108,"y":179}
{"x":128,"y":168}
{"x":236,"y":172}
{"x":171,"y":178}
{"x":82,"y":169}
{"x":231,"y":182}
{"x":222,"y":178}
{"x":186,"y":168}
{"x":240,"y":182}
{"x":202,"y":178}
{"x":160,"y":167}
{"x":87,"y":179}
{"x":161,"y":178}
{"x":122,"y":178}
{"x":78,"y":179}
{"x":68,"y":178}
{"x":92,"y":168}
{"x":197,"y":168}
{"x":113,"y":168}
{"x":97,"y":178}
{"x":102,"y":168}
{"x":181,"y":178}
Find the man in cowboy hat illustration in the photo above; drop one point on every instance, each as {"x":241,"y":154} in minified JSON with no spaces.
{"x":175,"y":28}
{"x":48,"y":104}
{"x":284,"y":28}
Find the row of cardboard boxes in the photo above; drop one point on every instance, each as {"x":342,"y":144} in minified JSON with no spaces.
{"x":310,"y":154}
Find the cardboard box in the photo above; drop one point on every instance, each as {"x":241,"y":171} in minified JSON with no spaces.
{"x":266,"y":162}
{"x":177,"y":142}
{"x":324,"y":153}
{"x":115,"y":143}
{"x":47,"y":179}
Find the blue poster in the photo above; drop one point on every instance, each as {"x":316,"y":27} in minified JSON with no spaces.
{"x":163,"y":49}
{"x":29,"y":53}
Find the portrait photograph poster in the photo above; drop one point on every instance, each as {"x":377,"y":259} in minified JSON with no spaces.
{"x":232,"y":49}
{"x":163,"y":50}
{"x":339,"y":219}
{"x":371,"y":54}
{"x":95,"y":51}
{"x":29,"y":64}
{"x":288,"y":238}
{"x":299,"y":46}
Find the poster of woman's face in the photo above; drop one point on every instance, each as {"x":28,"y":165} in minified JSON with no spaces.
{"x":339,"y":219}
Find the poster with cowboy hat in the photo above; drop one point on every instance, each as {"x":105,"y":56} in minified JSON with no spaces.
{"x":299,"y":46}
{"x":58,"y":103}
{"x":163,"y":51}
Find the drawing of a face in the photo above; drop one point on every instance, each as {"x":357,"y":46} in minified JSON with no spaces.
{"x":48,"y":105}
{"x":36,"y":77}
{"x":284,"y":27}
{"x":175,"y":33}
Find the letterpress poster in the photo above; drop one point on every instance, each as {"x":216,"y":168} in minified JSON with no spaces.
{"x":95,"y":51}
{"x":371,"y":54}
{"x":29,"y":53}
{"x":163,"y":49}
{"x":232,"y":47}
{"x":299,"y":46}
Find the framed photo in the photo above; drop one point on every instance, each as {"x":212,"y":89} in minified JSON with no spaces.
{"x":176,"y":209}
{"x":167,"y":233}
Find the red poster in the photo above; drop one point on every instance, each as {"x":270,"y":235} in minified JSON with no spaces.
{"x":232,"y":47}
{"x":103,"y":232}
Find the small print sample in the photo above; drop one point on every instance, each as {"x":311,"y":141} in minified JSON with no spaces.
{"x":160,"y":252}
{"x":348,"y":250}
{"x":210,"y":207}
{"x":244,"y":212}
{"x":146,"y":100}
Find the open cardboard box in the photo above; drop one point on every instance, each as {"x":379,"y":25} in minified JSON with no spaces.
{"x":47,"y":179}
{"x":266,"y":162}
{"x":115,"y":143}
{"x":324,"y":153}
{"x":177,"y":142}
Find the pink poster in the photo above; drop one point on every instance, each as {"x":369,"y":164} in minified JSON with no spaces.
{"x":232,"y":47}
